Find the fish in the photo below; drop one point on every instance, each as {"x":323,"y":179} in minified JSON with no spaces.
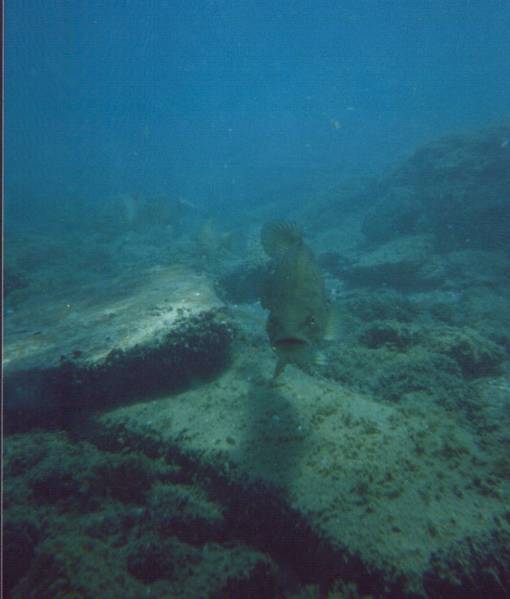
{"x":300,"y":314}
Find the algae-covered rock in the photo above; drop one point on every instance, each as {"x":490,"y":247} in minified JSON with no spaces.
{"x":384,"y":305}
{"x":476,"y":355}
{"x":389,"y":333}
{"x":184,"y":512}
{"x":75,"y":565}
{"x":392,"y":375}
{"x":456,"y":188}
{"x":397,"y":264}
{"x":151,"y":558}
{"x":84,"y":522}
{"x":125,"y":478}
{"x":467,"y":564}
{"x":76,"y":477}
{"x":20,"y":535}
{"x":435,"y":377}
{"x":398,"y":212}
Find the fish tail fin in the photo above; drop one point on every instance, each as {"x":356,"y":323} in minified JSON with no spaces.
{"x":278,"y":236}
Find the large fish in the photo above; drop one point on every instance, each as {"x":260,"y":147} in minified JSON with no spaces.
{"x":300,"y":315}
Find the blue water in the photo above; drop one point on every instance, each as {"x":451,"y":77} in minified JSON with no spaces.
{"x":235,"y":102}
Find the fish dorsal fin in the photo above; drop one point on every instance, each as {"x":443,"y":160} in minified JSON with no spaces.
{"x":278,"y":237}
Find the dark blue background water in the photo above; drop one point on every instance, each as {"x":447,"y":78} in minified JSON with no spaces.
{"x":238,"y":101}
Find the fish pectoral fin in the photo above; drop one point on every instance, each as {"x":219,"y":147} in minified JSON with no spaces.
{"x":332,"y":332}
{"x":320,"y":359}
{"x":280,"y":365}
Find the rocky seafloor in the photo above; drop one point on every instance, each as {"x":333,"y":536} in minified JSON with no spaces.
{"x":148,"y":452}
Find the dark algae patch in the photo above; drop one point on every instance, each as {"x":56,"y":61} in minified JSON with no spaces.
{"x":81,"y":521}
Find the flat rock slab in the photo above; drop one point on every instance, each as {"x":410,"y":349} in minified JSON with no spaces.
{"x":391,"y":487}
{"x":52,"y":341}
{"x":95,"y":318}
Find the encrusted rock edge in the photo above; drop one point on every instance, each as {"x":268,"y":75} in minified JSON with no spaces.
{"x":195,"y":348}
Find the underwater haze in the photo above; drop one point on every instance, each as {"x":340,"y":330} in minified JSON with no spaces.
{"x":237,"y":102}
{"x":256,"y":299}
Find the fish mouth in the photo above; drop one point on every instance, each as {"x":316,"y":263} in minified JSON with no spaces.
{"x":290,"y":343}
